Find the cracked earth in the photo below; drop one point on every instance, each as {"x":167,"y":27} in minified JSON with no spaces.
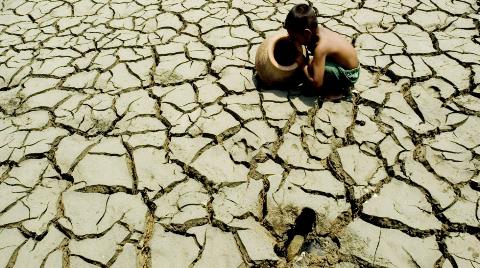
{"x":132,"y":134}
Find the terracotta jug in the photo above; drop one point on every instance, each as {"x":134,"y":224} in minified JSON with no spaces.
{"x":275,"y":60}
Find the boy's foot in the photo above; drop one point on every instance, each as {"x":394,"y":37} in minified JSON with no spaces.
{"x":334,"y":97}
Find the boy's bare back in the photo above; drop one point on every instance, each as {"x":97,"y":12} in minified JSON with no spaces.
{"x":336,"y":47}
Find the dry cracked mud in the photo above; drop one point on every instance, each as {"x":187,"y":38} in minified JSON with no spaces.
{"x":133,"y":134}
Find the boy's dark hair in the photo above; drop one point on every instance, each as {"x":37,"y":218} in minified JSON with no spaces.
{"x":301,"y":17}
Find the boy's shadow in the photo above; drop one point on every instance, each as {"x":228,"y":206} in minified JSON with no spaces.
{"x":297,"y":87}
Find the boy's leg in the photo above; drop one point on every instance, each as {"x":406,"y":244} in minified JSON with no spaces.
{"x":334,"y":82}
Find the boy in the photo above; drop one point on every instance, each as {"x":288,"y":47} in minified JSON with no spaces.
{"x":334,"y":64}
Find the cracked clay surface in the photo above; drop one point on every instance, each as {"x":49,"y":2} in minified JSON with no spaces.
{"x":133,"y":134}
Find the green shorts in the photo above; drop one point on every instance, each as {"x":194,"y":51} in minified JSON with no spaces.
{"x":336,"y":75}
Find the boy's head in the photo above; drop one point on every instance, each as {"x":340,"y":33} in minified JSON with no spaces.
{"x":301,"y":23}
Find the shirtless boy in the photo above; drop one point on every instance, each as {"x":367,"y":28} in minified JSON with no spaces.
{"x":334,"y":65}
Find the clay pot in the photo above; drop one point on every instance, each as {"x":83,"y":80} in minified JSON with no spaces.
{"x":275,"y":61}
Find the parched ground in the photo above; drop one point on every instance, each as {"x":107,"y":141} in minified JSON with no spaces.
{"x":132,"y":134}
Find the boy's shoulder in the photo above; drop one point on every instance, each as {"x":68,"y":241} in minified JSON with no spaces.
{"x":328,"y":41}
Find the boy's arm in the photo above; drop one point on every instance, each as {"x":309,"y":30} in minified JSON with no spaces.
{"x":316,"y":69}
{"x":301,"y":59}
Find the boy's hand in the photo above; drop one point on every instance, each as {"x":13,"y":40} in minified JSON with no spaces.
{"x":301,"y":60}
{"x":307,"y":70}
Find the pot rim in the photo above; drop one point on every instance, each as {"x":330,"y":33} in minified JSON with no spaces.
{"x":271,"y":47}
